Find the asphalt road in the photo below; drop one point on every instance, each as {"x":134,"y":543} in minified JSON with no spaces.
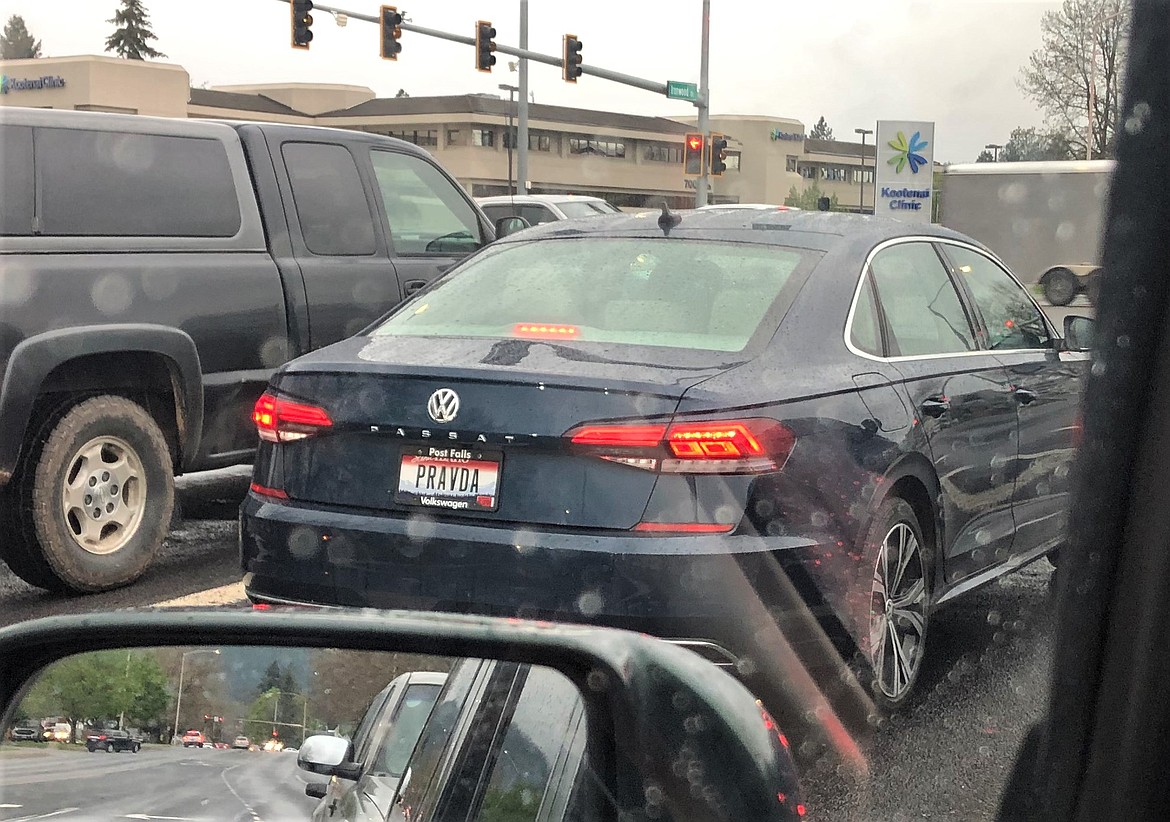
{"x":159,"y":783}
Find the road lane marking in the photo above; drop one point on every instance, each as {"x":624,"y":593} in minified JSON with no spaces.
{"x":42,"y":815}
{"x":230,"y":594}
{"x":175,"y":818}
{"x":9,"y":805}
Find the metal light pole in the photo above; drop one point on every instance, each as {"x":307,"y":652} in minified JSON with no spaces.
{"x":179,"y":698}
{"x":995,"y":147}
{"x":861,"y":197}
{"x":511,"y":137}
{"x":522,"y":135}
{"x":704,"y":107}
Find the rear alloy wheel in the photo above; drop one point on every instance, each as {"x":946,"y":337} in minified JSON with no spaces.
{"x":1060,"y":287}
{"x":137,"y":747}
{"x":899,"y":604}
{"x":96,"y":495}
{"x":109,"y":747}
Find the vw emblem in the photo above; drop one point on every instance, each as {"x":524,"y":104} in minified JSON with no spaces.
{"x":443,"y":406}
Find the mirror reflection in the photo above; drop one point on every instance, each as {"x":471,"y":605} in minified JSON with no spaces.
{"x":293,"y":733}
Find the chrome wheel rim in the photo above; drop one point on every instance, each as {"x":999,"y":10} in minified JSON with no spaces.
{"x":897,"y":628}
{"x":104,"y":495}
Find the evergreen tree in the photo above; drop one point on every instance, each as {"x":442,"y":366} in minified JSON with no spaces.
{"x":132,"y":35}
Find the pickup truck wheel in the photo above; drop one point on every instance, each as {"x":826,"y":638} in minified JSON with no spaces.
{"x":1060,"y":286}
{"x":98,"y":502}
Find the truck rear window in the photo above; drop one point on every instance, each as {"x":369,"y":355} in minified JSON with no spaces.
{"x":648,"y":292}
{"x":109,"y":183}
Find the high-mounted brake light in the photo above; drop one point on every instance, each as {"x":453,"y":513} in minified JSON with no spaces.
{"x":281,"y":420}
{"x":746,"y":446}
{"x":546,"y":331}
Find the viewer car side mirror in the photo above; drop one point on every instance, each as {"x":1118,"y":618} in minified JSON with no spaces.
{"x":643,"y":700}
{"x":317,"y":790}
{"x":510,"y":225}
{"x":1078,"y":332}
{"x":324,"y":754}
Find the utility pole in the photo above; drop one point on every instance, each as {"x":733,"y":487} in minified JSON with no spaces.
{"x":511,"y":136}
{"x":704,"y":105}
{"x":522,"y":135}
{"x":861,"y":197}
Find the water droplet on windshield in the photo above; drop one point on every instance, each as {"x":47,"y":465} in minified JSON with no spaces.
{"x":112,"y":294}
{"x":1139,"y":116}
{"x":590,"y":603}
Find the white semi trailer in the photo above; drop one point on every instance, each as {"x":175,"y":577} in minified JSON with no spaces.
{"x":1044,"y":219}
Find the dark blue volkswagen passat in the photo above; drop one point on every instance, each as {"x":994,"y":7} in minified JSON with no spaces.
{"x":675,"y":424}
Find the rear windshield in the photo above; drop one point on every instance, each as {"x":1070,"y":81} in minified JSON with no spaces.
{"x":676,"y":293}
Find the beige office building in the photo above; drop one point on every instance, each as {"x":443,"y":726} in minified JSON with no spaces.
{"x":631,"y":160}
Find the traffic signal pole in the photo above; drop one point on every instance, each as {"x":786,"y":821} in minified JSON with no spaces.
{"x":704,"y":108}
{"x":522,"y":115}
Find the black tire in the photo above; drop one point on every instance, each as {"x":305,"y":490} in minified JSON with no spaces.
{"x":1093,"y":287}
{"x":110,"y":748}
{"x":137,"y":747}
{"x":1060,"y":286}
{"x":892,"y":518}
{"x":45,"y":550}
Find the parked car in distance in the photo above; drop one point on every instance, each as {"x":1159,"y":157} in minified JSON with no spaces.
{"x":368,"y":768}
{"x":112,"y":741}
{"x":221,"y":251}
{"x":25,"y":732}
{"x":241,"y":742}
{"x":688,"y":418}
{"x":272,"y":746}
{"x":194,"y":739}
{"x":544,"y":208}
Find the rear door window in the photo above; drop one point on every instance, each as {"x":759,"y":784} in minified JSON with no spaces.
{"x":110,"y":183}
{"x":16,"y":174}
{"x":427,"y":213}
{"x":331,"y":204}
{"x":924,"y":314}
{"x":865,"y":333}
{"x":523,"y":761}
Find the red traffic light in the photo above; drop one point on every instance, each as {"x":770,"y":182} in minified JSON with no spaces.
{"x":695,"y":143}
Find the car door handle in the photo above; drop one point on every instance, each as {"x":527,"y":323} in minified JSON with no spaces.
{"x":1023,"y":395}
{"x":935,"y":406}
{"x":413,"y":286}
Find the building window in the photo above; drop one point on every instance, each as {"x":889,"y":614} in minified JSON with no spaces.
{"x":833,"y":174}
{"x":662,"y":153}
{"x":603,"y":146}
{"x":453,"y":137}
{"x":808,"y":172}
{"x":483,"y":137}
{"x":510,"y":138}
{"x":539,"y":141}
{"x":790,"y":163}
{"x":863,"y":176}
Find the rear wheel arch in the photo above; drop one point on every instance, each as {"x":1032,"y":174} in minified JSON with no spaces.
{"x":155,"y":365}
{"x":913,"y":479}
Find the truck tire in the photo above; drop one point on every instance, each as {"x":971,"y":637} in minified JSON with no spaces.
{"x":1060,"y":286}
{"x":94,"y":498}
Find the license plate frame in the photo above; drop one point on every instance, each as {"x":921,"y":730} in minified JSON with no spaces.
{"x":451,"y":457}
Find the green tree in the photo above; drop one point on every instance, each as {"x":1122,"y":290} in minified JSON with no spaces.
{"x":132,"y":35}
{"x":985,"y":156}
{"x":821,"y":131}
{"x":808,"y":198}
{"x":401,"y":93}
{"x":1027,"y":144}
{"x":17,"y":43}
{"x":82,"y":687}
{"x":1078,"y":67}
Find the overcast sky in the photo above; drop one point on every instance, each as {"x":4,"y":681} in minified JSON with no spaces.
{"x":854,"y":61}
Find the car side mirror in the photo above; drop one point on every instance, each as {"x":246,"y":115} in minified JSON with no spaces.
{"x":324,"y":754}
{"x":1078,"y":332}
{"x":317,"y":790}
{"x":510,"y":225}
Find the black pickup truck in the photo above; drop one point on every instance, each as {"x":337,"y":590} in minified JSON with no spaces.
{"x":153,"y":274}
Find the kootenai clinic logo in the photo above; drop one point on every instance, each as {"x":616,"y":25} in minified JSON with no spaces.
{"x":908,"y":152}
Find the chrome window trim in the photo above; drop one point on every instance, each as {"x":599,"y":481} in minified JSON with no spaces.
{"x":924,"y":238}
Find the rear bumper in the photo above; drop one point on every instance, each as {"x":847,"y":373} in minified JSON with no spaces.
{"x":690,"y":587}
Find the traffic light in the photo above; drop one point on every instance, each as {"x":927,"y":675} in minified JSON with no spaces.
{"x":391,"y":22}
{"x":302,"y":23}
{"x":693,"y":155}
{"x":718,"y":155}
{"x":571,"y":59}
{"x":484,"y":46}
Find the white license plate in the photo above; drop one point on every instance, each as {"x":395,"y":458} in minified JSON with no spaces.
{"x":451,"y":478}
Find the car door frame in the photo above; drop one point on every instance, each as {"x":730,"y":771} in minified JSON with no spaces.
{"x":944,"y":587}
{"x":1010,"y":358}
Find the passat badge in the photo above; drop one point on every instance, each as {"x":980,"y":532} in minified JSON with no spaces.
{"x":443,"y":406}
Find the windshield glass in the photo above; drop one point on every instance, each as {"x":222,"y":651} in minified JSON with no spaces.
{"x":576,"y":208}
{"x":681,"y":294}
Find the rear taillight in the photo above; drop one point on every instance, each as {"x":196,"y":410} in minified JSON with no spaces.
{"x":279,"y":419}
{"x":745,"y":446}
